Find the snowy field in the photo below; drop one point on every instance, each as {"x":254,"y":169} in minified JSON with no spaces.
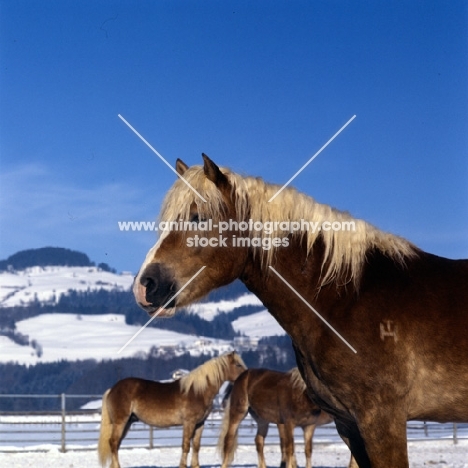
{"x":329,"y":451}
{"x":53,"y":337}
{"x":73,"y":337}
{"x":422,"y":454}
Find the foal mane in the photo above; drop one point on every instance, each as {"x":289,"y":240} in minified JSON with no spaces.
{"x":209,"y":373}
{"x":344,"y":251}
{"x":297,"y":382}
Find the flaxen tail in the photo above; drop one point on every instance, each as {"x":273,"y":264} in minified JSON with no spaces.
{"x":104,"y":450}
{"x":223,"y":444}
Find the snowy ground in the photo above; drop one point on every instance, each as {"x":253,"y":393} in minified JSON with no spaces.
{"x":422,"y":454}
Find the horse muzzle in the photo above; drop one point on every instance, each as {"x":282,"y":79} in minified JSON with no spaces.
{"x":154,"y":289}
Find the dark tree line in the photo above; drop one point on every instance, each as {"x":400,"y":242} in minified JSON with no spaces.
{"x":90,"y":377}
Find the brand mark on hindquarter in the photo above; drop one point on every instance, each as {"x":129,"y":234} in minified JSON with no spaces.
{"x":388,"y":330}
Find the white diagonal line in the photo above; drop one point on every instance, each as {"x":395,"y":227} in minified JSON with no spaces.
{"x":312,"y":158}
{"x":313,"y":310}
{"x":160,"y":157}
{"x":161,"y":309}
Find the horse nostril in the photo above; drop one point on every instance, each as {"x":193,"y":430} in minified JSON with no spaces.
{"x":149,"y":283}
{"x":156,"y":284}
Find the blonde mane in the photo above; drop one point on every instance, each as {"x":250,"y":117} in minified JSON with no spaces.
{"x":297,"y":382}
{"x":212,"y":372}
{"x":345,"y":250}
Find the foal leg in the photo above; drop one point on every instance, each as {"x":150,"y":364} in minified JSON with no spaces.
{"x":228,"y":445}
{"x":196,"y":445}
{"x":188,"y":431}
{"x":308,"y":435}
{"x":262,"y":431}
{"x":282,"y":436}
{"x":119,"y":431}
{"x":288,"y":444}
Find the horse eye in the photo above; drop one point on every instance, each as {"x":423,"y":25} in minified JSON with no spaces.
{"x":195,"y":218}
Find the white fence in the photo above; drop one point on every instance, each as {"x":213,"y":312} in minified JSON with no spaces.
{"x":79,"y":430}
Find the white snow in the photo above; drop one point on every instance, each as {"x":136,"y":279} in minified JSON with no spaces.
{"x":258,"y":324}
{"x":437,"y":454}
{"x":77,"y":337}
{"x":47,"y":284}
{"x":209,"y":310}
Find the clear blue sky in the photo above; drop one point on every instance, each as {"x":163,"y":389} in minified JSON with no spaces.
{"x":259,"y":86}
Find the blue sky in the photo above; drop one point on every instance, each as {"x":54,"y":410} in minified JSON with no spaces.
{"x":259,"y":86}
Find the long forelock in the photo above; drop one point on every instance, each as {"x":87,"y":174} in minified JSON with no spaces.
{"x":345,"y":250}
{"x":212,"y":372}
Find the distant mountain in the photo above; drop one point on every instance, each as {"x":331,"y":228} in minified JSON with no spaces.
{"x":48,"y":256}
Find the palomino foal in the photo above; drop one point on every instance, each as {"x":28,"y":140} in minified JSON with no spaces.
{"x":185,"y":402}
{"x":271,"y":397}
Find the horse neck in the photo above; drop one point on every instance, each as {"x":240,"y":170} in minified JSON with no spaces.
{"x":302,"y":271}
{"x":213,"y":387}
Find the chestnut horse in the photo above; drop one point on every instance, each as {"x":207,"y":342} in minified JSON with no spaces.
{"x":185,"y":402}
{"x":271,"y":397}
{"x":379,"y":327}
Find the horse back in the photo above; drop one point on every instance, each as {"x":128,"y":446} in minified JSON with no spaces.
{"x":271,"y":397}
{"x":160,"y":404}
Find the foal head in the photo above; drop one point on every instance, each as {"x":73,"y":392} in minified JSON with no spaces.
{"x":213,"y":373}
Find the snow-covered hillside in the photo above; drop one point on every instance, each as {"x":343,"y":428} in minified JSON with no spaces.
{"x":56,"y":336}
{"x":47,"y":284}
{"x":258,"y":325}
{"x":209,"y":310}
{"x":75,"y":337}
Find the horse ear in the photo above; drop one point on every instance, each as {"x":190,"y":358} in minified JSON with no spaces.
{"x":213,"y":172}
{"x":180,"y":166}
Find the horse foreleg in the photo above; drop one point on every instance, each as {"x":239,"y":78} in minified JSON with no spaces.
{"x":352,"y":462}
{"x":262,"y":431}
{"x":282,"y":436}
{"x":187,"y":434}
{"x":308,"y":435}
{"x":288,"y":457}
{"x":228,"y":441}
{"x":349,"y":432}
{"x":196,"y":445}
{"x":384,"y":434}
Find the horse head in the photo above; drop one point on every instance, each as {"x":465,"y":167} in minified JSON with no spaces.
{"x":192,"y":211}
{"x":236,"y":366}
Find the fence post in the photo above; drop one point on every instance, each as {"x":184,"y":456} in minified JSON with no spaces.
{"x":151,"y":437}
{"x":455,"y":438}
{"x":63,"y":407}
